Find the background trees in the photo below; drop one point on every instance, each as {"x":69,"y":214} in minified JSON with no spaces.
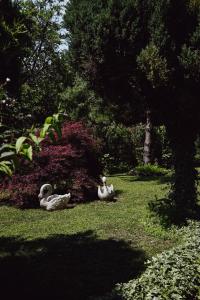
{"x":13,"y":42}
{"x":137,"y":54}
{"x":108,"y":61}
{"x":128,"y":61}
{"x":45,"y":70}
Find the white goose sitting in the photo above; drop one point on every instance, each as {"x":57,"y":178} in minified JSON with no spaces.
{"x":52,"y":202}
{"x":106,"y":192}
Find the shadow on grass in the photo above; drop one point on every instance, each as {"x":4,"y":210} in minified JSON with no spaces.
{"x":169,"y":214}
{"x":65,"y":266}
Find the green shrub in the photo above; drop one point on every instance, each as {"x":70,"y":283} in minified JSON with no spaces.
{"x":138,"y":136}
{"x":171,"y":275}
{"x":161,"y":151}
{"x":118,"y":149}
{"x":149,"y":170}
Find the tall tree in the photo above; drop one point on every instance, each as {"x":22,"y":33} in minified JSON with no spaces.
{"x":170,"y":63}
{"x":13,"y":41}
{"x":45,"y":68}
{"x":103,"y":38}
{"x":137,"y":54}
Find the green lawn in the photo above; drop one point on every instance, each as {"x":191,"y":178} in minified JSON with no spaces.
{"x":83,"y":251}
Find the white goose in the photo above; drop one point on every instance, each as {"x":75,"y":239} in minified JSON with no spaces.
{"x":106,"y":192}
{"x":52,"y":202}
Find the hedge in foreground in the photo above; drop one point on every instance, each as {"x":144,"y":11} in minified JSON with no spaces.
{"x":70,"y":164}
{"x":171,"y":275}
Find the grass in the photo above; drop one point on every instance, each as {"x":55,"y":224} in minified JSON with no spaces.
{"x":81,"y":252}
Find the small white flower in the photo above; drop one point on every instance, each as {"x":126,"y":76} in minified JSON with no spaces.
{"x":8,"y":79}
{"x":3,"y":101}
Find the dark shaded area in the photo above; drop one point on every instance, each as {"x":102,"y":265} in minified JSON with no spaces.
{"x":65,"y":266}
{"x":167,"y":212}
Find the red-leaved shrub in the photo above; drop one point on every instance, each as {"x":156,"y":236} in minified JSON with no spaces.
{"x":70,"y":165}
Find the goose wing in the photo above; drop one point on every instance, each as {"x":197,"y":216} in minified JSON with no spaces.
{"x":110,"y":189}
{"x":58,"y":201}
{"x":103,"y":193}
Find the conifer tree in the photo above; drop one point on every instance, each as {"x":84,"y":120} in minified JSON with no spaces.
{"x":146,"y":54}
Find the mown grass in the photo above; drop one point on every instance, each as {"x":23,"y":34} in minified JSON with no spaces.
{"x":84,"y":251}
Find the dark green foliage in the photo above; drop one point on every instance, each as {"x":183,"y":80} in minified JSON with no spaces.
{"x":183,"y":194}
{"x":82,"y":103}
{"x":137,"y":54}
{"x":149,"y":170}
{"x":103,"y":40}
{"x":13,"y":42}
{"x":118,"y":148}
{"x":174,"y":274}
{"x":45,"y":69}
{"x":160,"y":144}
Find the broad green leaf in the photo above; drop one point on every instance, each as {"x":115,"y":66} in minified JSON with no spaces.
{"x":30,"y":153}
{"x":6,"y":162}
{"x":35,"y":139}
{"x":19,"y":143}
{"x":5,"y":168}
{"x":48,"y":120}
{"x":44,"y":130}
{"x":55,"y":117}
{"x":7,"y":154}
{"x":58,"y":117}
{"x":7,"y":146}
{"x":27,"y":151}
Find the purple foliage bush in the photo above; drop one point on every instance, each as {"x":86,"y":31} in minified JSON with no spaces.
{"x":70,"y":165}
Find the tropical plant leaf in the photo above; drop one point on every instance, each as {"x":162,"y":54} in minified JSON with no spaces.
{"x":44,"y":130}
{"x":7,"y":146}
{"x":27,"y":151}
{"x":5,"y":167}
{"x":48,"y":120}
{"x":19,"y":143}
{"x":30,"y":153}
{"x":35,"y":139}
{"x":7,"y":154}
{"x":58,"y":117}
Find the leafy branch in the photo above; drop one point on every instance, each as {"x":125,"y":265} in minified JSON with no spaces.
{"x":26,"y":145}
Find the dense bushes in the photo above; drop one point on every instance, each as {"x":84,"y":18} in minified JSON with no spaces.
{"x":118,"y":148}
{"x":171,"y":275}
{"x":69,"y":164}
{"x":149,"y":170}
{"x":161,"y":152}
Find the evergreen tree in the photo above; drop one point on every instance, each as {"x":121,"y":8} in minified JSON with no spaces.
{"x":146,"y":54}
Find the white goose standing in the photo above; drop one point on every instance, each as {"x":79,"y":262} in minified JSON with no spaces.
{"x":52,"y":202}
{"x":106,"y":192}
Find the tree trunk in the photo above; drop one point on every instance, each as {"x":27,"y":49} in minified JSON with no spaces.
{"x":183,"y":196}
{"x":147,"y":155}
